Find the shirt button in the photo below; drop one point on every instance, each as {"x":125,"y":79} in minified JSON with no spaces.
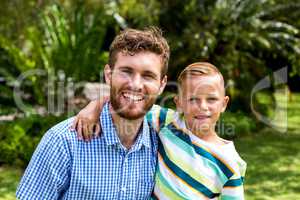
{"x":123,"y":189}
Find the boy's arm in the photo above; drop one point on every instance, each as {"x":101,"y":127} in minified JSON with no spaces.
{"x":234,"y":187}
{"x":47,"y":175}
{"x":86,"y":122}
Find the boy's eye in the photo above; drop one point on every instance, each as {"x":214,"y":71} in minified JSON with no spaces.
{"x":212,"y":99}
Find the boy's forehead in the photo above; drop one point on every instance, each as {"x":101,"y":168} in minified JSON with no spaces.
{"x":208,"y":79}
{"x":194,"y":83}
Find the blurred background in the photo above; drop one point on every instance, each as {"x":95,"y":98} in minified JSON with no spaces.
{"x":52,"y":54}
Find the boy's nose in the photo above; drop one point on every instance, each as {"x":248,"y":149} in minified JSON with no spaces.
{"x":203,"y":105}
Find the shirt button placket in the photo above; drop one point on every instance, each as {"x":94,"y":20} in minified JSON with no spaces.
{"x":125,"y":177}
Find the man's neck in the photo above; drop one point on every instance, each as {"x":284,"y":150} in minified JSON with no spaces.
{"x":127,"y":130}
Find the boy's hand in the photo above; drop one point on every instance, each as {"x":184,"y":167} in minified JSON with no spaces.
{"x":86,"y":122}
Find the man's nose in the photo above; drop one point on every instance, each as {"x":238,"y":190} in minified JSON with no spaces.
{"x":136,"y":82}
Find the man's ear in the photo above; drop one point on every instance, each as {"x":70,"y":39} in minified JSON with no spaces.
{"x":163,"y":84}
{"x":107,"y":74}
{"x":225,"y":102}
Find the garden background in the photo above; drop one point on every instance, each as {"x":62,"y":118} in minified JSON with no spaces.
{"x":51,"y":52}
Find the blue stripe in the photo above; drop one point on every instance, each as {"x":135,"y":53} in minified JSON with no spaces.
{"x":202,"y":152}
{"x":183,"y":175}
{"x":162,"y":117}
{"x":235,"y":182}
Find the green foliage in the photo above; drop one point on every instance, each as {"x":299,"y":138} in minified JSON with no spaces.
{"x":67,"y":43}
{"x":70,"y":43}
{"x":232,"y":125}
{"x":245,"y":39}
{"x":19,"y":139}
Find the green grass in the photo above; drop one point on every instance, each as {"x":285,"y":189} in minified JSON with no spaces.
{"x":273,"y":162}
{"x":9,"y":178}
{"x":273,"y":165}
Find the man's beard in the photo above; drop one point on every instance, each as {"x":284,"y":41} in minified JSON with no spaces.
{"x":124,"y":111}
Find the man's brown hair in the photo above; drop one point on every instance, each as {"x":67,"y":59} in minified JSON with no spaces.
{"x":132,"y":41}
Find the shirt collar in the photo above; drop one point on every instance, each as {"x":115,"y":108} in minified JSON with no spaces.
{"x":110,"y":133}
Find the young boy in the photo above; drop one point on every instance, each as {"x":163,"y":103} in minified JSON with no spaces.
{"x":193,"y":161}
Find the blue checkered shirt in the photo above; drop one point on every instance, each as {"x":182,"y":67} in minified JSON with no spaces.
{"x":63,"y":167}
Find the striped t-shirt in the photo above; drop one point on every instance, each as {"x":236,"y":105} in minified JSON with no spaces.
{"x":191,"y":168}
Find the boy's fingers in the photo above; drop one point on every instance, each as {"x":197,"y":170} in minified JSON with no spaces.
{"x":90,"y":129}
{"x":74,"y":124}
{"x":79,"y":130}
{"x":85,"y":132}
{"x":97,"y":130}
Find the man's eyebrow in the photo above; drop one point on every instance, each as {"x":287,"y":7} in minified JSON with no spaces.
{"x":150,"y":73}
{"x":125,"y":67}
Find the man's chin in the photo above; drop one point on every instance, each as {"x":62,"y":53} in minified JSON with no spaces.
{"x":131,"y":115}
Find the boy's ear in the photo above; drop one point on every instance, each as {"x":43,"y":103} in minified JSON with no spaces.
{"x":163,"y":84}
{"x":225,"y":102}
{"x":107,"y":74}
{"x":177,"y":103}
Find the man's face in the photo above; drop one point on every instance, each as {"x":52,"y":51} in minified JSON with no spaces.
{"x":201,"y":101}
{"x":135,"y":82}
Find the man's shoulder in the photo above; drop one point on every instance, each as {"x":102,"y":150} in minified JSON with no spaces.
{"x":63,"y":129}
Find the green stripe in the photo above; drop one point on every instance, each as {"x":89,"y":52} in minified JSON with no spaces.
{"x":201,"y":151}
{"x":229,"y":197}
{"x":184,"y":176}
{"x":187,"y":154}
{"x":165,"y":187}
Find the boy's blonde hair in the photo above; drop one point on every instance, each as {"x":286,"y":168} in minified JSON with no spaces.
{"x":199,"y":69}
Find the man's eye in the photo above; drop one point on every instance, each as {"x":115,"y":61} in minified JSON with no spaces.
{"x":149,"y":76}
{"x":126,"y":71}
{"x":193,"y":99}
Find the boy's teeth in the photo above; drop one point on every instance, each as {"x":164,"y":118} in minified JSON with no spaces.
{"x":133,"y":97}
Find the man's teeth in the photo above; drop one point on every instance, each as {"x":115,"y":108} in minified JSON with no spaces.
{"x":133,"y":97}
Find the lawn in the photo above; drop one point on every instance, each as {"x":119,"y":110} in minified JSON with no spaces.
{"x":273,"y":159}
{"x":9,"y":178}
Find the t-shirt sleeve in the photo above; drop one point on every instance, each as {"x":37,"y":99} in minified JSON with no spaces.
{"x":159,"y":117}
{"x":233,"y":189}
{"x":47,"y":175}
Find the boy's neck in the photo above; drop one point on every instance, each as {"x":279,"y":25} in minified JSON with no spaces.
{"x":210,"y":136}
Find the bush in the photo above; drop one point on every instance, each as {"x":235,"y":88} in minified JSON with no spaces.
{"x":232,"y":124}
{"x":19,"y":139}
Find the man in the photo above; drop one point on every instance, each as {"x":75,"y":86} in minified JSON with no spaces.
{"x":121,"y":163}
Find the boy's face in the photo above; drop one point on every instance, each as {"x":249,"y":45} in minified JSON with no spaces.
{"x":202,"y":99}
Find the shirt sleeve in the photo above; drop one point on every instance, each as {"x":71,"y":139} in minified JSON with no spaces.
{"x":47,"y":175}
{"x":233,"y":189}
{"x":159,"y":117}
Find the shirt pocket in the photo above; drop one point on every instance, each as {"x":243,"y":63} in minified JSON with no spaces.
{"x":144,"y":189}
